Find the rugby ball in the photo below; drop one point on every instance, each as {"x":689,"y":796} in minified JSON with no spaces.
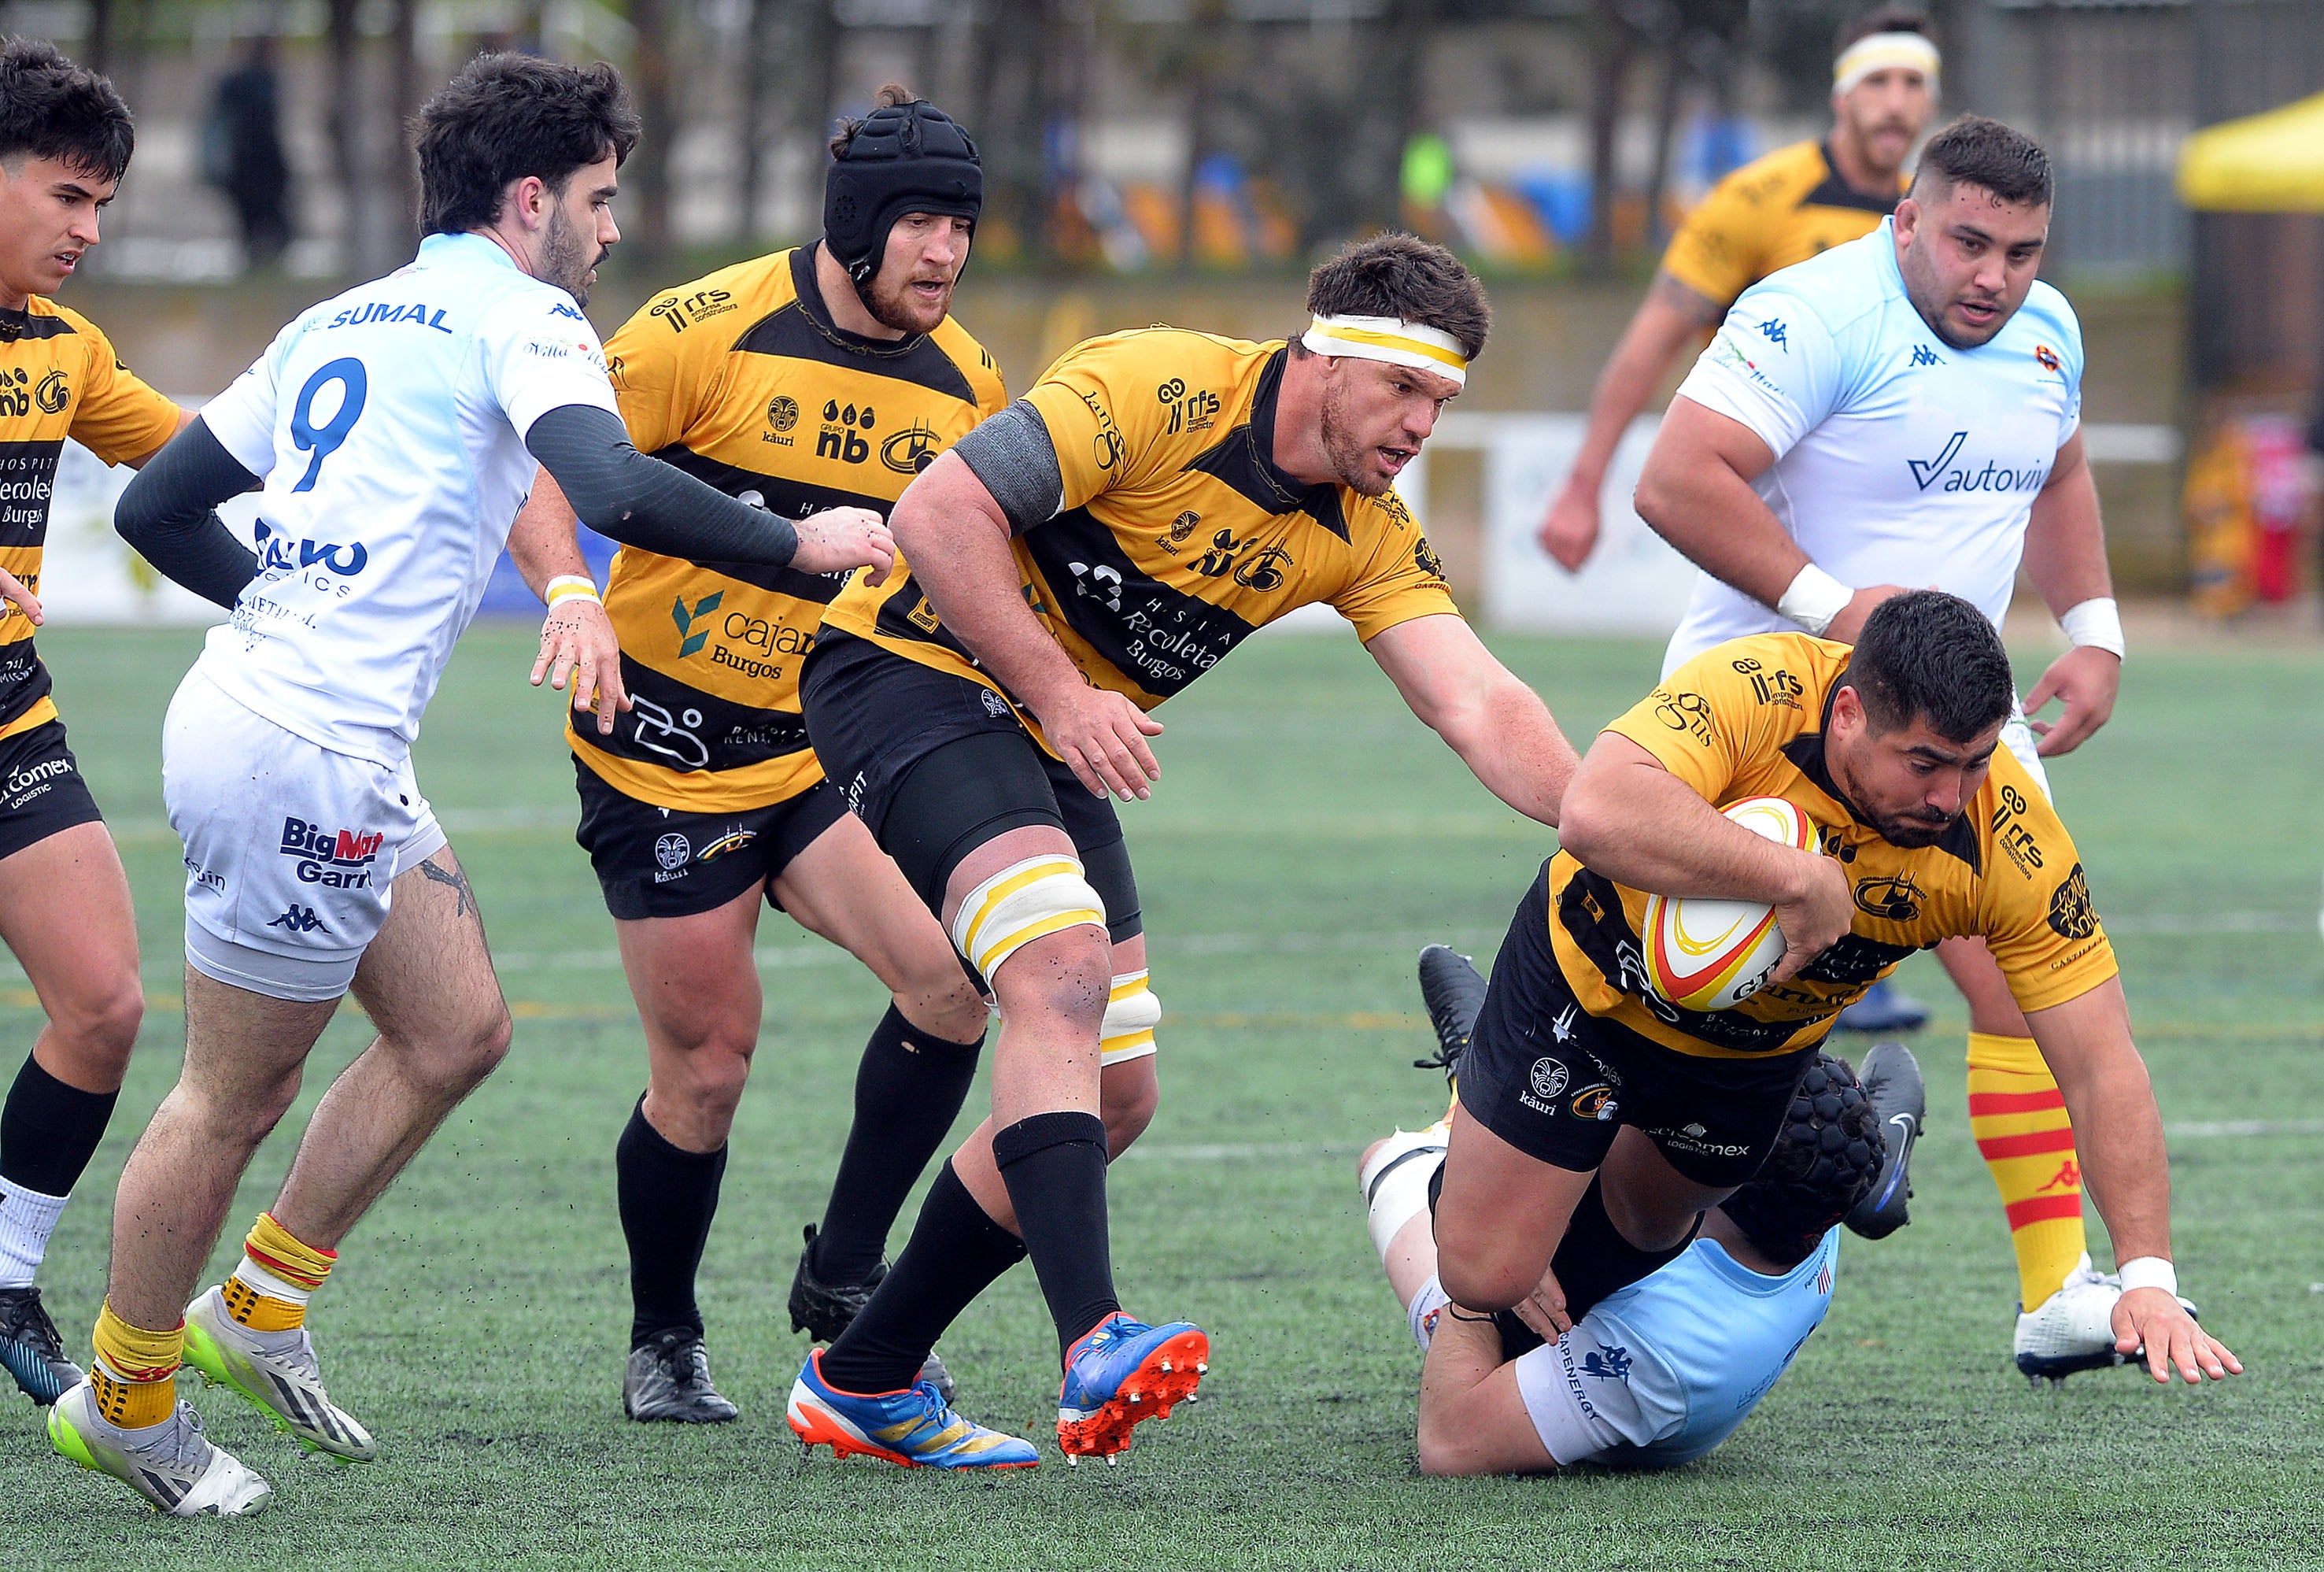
{"x":1705,"y":954}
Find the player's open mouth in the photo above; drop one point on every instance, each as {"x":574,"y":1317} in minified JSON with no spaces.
{"x":67,"y":260}
{"x":930,"y":289}
{"x":1976,"y":314}
{"x":1394,"y":459}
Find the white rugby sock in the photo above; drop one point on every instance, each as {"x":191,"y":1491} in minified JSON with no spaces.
{"x":1421,"y":1314}
{"x":273,"y":1286}
{"x":27,"y":1219}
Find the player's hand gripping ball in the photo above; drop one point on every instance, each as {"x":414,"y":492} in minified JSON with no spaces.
{"x":1705,"y":954}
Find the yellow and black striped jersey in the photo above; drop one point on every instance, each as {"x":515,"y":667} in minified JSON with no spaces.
{"x":59,"y":378}
{"x":741,"y":379}
{"x":1179,"y":536}
{"x":1773,"y":212}
{"x":1747,"y":720}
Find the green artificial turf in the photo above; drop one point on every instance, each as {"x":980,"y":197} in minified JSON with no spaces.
{"x":1305,"y":838}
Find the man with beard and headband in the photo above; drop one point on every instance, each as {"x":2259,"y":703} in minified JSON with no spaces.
{"x":1906,"y":410}
{"x":1598,"y":1120}
{"x":817,"y":378}
{"x":1156,"y":499}
{"x":396,"y":428}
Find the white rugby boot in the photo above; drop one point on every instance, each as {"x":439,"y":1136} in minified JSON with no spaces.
{"x":2072,"y":1330}
{"x":278,"y":1373}
{"x":171,"y":1464}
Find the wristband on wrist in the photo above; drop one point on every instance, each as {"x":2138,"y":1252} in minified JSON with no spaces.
{"x":1814,"y":598}
{"x":572,"y":587}
{"x":2149,"y":1272}
{"x":2097,"y":623}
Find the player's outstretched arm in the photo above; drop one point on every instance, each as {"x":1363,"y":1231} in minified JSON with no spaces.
{"x":577,"y":638}
{"x":1670,"y":314}
{"x":955,"y":534}
{"x":168,"y":515}
{"x":1472,"y":1417}
{"x":1629,"y":819}
{"x":2066,"y":562}
{"x":1500,"y":726}
{"x":2119,"y":1129}
{"x":654,"y":506}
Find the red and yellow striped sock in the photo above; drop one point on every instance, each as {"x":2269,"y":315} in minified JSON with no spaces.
{"x":2019,"y":1116}
{"x":269,"y":1290}
{"x":131,"y":1378}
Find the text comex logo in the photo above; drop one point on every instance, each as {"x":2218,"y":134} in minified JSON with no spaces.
{"x":689,"y":641}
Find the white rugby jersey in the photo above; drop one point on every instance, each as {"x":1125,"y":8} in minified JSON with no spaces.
{"x":389,"y":424}
{"x":1899,"y":459}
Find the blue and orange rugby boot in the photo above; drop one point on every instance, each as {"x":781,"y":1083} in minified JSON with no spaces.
{"x":1121,"y":1374}
{"x":912,"y":1428}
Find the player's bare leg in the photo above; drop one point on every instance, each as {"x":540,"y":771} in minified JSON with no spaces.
{"x":65,"y":914}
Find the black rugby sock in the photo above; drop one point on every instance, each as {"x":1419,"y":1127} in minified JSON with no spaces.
{"x":49,"y":1131}
{"x":955,"y":1253}
{"x":1593,"y":1260}
{"x":908,"y":1090}
{"x":1054,"y":1165}
{"x":667,"y":1196}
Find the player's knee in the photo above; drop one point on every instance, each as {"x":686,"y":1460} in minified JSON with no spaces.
{"x":706,"y":1086}
{"x":99,"y":1025}
{"x":1044,"y":907}
{"x":461,"y":1060}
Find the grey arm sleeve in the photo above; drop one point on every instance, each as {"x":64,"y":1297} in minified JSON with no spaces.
{"x":625,"y":495}
{"x":168,"y":515}
{"x":1012,"y":455}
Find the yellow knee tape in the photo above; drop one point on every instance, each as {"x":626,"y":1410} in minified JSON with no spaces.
{"x":1131,"y":1014}
{"x":1020,"y":903}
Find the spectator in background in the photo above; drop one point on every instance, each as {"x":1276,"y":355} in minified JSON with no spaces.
{"x":242,"y":154}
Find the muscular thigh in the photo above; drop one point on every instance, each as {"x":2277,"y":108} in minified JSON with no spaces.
{"x":65,"y":912}
{"x":428,"y":974}
{"x":696,"y":978}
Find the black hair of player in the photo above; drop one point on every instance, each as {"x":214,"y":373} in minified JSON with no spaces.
{"x":1827,"y":1159}
{"x":1974,"y":151}
{"x":1403,"y":276}
{"x":1884,"y":18}
{"x":509,"y":115}
{"x":1926,"y":655}
{"x":52,"y":108}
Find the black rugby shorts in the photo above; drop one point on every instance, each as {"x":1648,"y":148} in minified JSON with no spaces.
{"x":41,"y":791}
{"x":665,"y":862}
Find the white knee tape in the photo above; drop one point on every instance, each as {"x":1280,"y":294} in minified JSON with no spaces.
{"x":1020,"y":903}
{"x":1420,"y":1315}
{"x":1400,"y":1194}
{"x":1131,"y":1014}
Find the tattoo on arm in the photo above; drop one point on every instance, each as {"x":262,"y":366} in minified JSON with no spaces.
{"x":1694,"y":306}
{"x":454,"y":877}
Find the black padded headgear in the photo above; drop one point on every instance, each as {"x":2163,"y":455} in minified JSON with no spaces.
{"x":905,"y":158}
{"x":1826,"y":1159}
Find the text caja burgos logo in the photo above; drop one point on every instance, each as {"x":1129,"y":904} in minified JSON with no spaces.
{"x":335,"y":859}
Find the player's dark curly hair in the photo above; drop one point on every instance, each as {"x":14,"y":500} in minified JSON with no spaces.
{"x":1403,"y":275}
{"x":1928,"y":655}
{"x":52,"y":108}
{"x":509,"y":115}
{"x":1825,"y":1161}
{"x":1974,"y":151}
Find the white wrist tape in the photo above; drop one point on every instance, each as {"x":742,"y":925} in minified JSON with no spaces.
{"x":2149,"y":1272}
{"x":572,"y":587}
{"x":2097,"y":623}
{"x":1814,"y":598}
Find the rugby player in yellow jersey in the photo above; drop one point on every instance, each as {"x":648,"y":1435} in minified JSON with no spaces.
{"x":822,"y":377}
{"x":65,"y":140}
{"x":1595,"y":1113}
{"x":1156,"y":499}
{"x":1776,"y":210}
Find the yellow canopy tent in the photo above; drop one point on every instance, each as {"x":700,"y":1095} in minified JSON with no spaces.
{"x":2262,"y":164}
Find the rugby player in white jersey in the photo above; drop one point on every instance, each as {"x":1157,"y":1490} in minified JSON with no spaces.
{"x":397,"y":428}
{"x":1904,"y":409}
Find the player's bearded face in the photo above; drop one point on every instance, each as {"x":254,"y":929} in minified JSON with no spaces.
{"x":913,"y":289}
{"x":1375,"y":417}
{"x":48,"y":219}
{"x":581,"y":231}
{"x":1884,"y":115}
{"x":1969,"y":259}
{"x":1908,"y":784}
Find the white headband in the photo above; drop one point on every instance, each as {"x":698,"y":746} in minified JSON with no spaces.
{"x":1884,"y":51}
{"x":1392,"y":339}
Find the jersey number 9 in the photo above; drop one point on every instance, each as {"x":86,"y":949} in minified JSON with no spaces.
{"x":325,"y":439}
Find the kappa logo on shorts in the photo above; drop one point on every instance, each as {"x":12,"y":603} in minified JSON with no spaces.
{"x":1608,"y":1365}
{"x":335,"y":859}
{"x":299,"y":918}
